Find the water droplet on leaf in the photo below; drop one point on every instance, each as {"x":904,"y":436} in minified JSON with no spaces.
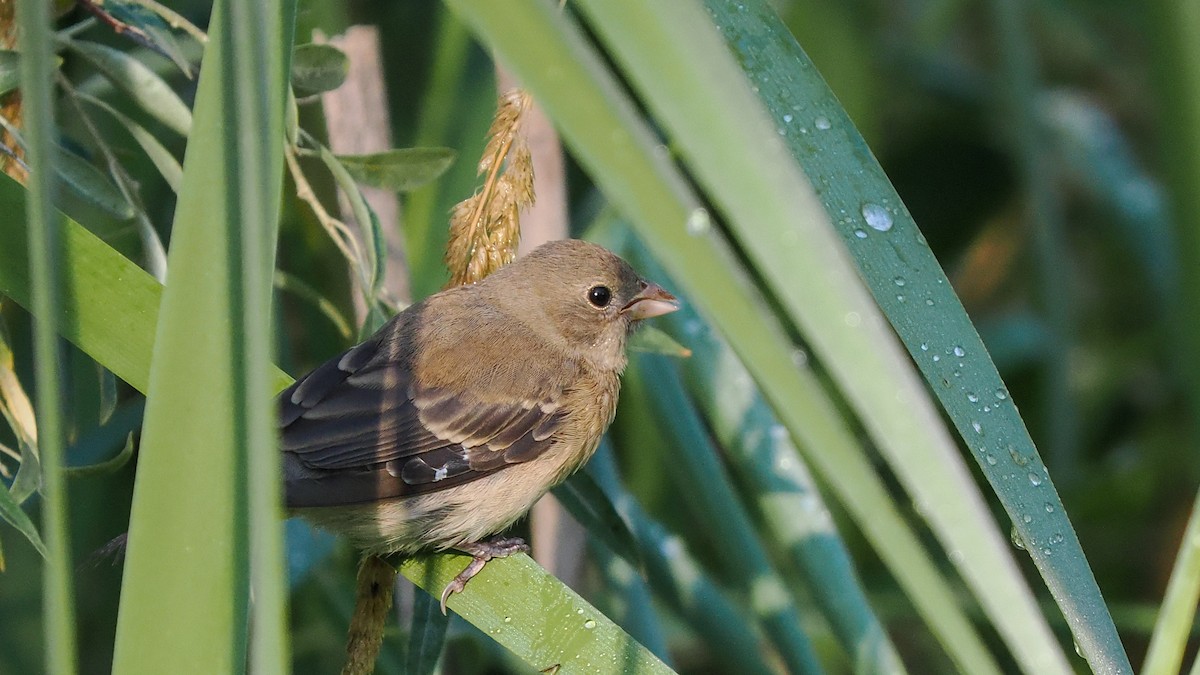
{"x":877,"y":217}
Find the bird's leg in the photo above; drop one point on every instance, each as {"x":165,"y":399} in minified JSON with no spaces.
{"x":499,"y":547}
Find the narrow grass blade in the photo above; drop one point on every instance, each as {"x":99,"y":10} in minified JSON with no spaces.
{"x":427,"y":637}
{"x":1178,"y":611}
{"x":50,"y":296}
{"x":592,"y":508}
{"x":653,"y":390}
{"x":628,"y":601}
{"x":678,"y":580}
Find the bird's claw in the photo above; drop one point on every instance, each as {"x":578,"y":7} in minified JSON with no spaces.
{"x":483,"y":551}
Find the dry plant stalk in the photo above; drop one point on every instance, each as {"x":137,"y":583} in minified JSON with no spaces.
{"x":485,"y":228}
{"x":374,"y":599}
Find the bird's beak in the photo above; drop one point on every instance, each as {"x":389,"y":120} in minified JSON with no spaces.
{"x":652,"y":301}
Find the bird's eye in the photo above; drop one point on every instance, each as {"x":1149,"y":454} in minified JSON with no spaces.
{"x":599,"y":296}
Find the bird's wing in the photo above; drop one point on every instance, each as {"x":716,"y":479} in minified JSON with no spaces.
{"x":367,"y":431}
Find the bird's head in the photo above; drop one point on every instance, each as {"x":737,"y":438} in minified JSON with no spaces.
{"x":590,"y":298}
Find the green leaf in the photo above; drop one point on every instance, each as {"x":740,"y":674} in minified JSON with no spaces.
{"x":143,"y":86}
{"x":318,"y":68}
{"x":108,"y":466}
{"x":427,"y":637}
{"x":545,"y":623}
{"x":92,"y":185}
{"x":12,"y":514}
{"x":400,"y":169}
{"x":195,"y":598}
{"x":10,"y":70}
{"x":168,"y":167}
{"x":149,"y":29}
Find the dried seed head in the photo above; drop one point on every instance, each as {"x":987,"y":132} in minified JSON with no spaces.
{"x":485,"y":228}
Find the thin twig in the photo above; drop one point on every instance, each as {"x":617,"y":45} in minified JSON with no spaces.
{"x":338,"y":231}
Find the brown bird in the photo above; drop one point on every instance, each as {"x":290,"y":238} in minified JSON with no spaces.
{"x":446,"y":426}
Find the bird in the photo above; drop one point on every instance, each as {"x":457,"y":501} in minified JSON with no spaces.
{"x":444,"y":427}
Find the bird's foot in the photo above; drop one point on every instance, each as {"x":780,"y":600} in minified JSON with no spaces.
{"x":483,"y":551}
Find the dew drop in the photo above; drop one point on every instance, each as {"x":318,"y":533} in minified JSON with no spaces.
{"x":977,"y":427}
{"x":1056,"y":538}
{"x":508,"y":619}
{"x":936,"y":358}
{"x":959,"y":351}
{"x":1027,"y":518}
{"x":972,"y":397}
{"x":929,"y":302}
{"x":822,"y":123}
{"x":901,"y":298}
{"x":1034,"y":479}
{"x":589,"y":624}
{"x":899,"y":281}
{"x":1015,"y":538}
{"x":877,"y":217}
{"x":861,"y":234}
{"x":1047,"y":551}
{"x":787,"y":118}
{"x":991,"y":460}
{"x":799,"y":358}
{"x":924,"y":346}
{"x":853,"y":319}
{"x":699,"y":222}
{"x":1049,"y":507}
{"x":1001,"y":394}
{"x":1078,"y":650}
{"x":987,"y":408}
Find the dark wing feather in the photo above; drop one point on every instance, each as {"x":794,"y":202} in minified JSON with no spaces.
{"x":362,"y":431}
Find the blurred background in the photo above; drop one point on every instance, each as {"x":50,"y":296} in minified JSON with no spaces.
{"x":1071,"y":245}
